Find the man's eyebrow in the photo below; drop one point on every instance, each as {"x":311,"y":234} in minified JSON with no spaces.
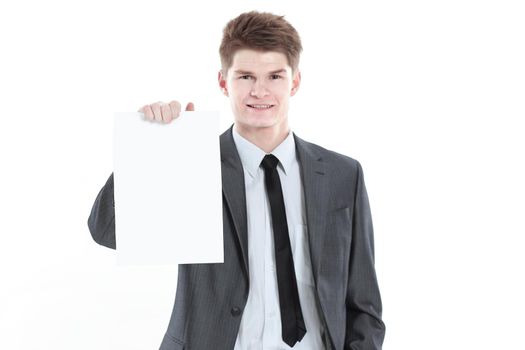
{"x":248,"y":72}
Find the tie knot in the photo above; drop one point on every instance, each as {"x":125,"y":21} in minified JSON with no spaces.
{"x":269,"y":162}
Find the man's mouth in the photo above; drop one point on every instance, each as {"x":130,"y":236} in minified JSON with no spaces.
{"x":260,"y":106}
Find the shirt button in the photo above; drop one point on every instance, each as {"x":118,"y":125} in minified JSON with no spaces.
{"x":235,"y":311}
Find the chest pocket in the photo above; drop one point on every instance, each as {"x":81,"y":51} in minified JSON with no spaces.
{"x":301,"y":255}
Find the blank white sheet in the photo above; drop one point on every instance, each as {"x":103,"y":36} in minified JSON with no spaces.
{"x":168,"y":189}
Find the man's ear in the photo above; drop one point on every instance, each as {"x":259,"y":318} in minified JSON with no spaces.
{"x":222,"y":83}
{"x":296,"y":82}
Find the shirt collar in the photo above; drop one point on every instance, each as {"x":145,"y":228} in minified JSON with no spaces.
{"x":252,"y":156}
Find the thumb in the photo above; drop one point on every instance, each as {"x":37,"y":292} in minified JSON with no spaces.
{"x":190,"y":106}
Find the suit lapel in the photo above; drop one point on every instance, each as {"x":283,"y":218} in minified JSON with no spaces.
{"x":315,"y":184}
{"x":234,"y":190}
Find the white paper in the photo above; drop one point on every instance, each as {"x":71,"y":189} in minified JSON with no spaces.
{"x":168,"y":189}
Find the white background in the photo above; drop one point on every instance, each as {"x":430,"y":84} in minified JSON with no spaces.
{"x":427,"y":95}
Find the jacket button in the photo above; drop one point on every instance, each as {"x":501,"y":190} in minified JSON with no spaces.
{"x":235,"y":311}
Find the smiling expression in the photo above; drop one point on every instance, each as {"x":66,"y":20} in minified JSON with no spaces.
{"x":259,"y":85}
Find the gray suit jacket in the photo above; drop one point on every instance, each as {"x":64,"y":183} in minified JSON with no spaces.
{"x":210,"y":298}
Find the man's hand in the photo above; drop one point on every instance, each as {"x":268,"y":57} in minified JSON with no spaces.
{"x":164,"y":112}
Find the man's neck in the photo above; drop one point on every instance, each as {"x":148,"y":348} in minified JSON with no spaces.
{"x":266,"y":139}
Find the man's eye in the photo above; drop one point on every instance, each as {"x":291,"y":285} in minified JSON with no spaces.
{"x":245,"y":77}
{"x":275,"y":76}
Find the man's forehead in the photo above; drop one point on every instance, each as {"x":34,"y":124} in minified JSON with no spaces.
{"x":244,"y":71}
{"x":261,"y":61}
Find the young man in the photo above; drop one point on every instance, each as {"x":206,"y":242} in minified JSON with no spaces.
{"x":298,"y":267}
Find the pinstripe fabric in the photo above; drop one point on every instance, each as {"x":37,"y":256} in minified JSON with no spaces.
{"x":210,"y":298}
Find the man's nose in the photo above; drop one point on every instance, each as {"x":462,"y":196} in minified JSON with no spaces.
{"x":259,"y":89}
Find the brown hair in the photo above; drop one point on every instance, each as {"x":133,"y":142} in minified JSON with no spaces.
{"x":260,"y":31}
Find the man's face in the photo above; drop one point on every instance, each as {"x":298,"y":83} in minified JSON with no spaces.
{"x":259,"y":85}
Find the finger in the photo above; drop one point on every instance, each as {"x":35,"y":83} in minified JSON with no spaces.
{"x":167,"y":116}
{"x":190,"y":106}
{"x":148,"y":112}
{"x":156,"y":111}
{"x":175,"y":108}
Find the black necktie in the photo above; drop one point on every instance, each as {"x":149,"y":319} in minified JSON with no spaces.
{"x":292,"y":322}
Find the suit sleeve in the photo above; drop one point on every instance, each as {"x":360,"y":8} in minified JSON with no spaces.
{"x":364,"y":327}
{"x":101,"y":221}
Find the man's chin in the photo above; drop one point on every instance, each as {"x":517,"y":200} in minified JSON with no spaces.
{"x":259,"y":126}
{"x":258,"y":123}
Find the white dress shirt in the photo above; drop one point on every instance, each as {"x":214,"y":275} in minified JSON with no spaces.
{"x":260,"y":327}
